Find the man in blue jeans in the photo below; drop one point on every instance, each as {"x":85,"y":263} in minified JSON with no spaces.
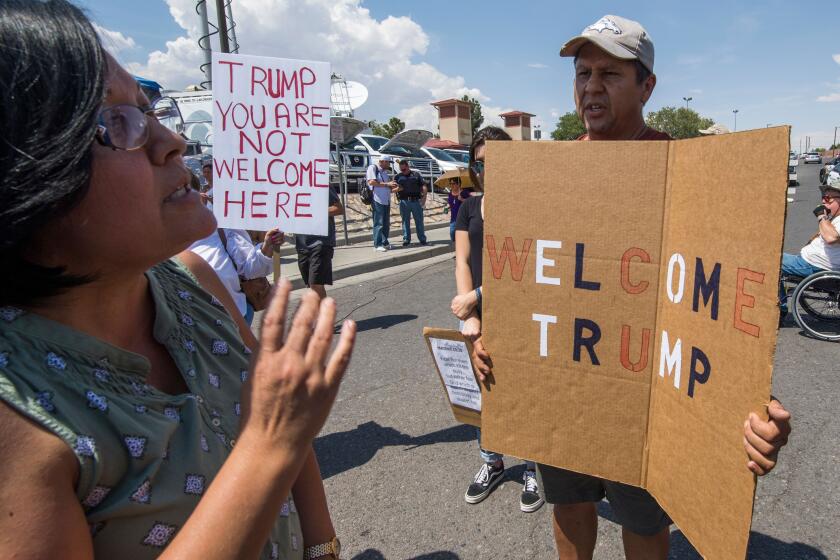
{"x":379,"y":181}
{"x":411,"y":194}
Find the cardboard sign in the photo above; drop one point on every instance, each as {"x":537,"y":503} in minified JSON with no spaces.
{"x":452,"y":353}
{"x":630,"y":310}
{"x":271,"y":134}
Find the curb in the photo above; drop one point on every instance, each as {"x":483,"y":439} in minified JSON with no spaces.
{"x":288,"y":248}
{"x":383,"y":262}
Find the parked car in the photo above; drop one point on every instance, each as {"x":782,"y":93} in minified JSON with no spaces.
{"x":825,"y":169}
{"x":406,"y":144}
{"x":460,"y":155}
{"x":444,"y":160}
{"x":354,"y":164}
{"x":813,"y":157}
{"x":834,"y":174}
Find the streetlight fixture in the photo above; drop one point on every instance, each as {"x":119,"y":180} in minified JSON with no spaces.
{"x":687,"y":99}
{"x":835,"y":140}
{"x":735,"y":112}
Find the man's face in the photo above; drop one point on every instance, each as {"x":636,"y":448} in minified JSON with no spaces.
{"x":608,"y":97}
{"x":831,"y":200}
{"x":385,"y":165}
{"x":207,"y":171}
{"x":404,"y":168}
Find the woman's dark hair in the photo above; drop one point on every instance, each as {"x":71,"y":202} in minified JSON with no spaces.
{"x":482,"y":136}
{"x":52,"y":84}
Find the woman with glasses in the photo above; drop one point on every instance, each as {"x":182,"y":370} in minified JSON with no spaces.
{"x":131,"y":423}
{"x":823,"y":251}
{"x":469,"y":247}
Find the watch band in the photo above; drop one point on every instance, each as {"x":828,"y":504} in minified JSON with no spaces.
{"x":322,"y":549}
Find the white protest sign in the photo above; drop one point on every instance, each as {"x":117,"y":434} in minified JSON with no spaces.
{"x":271,"y":134}
{"x":453,"y":362}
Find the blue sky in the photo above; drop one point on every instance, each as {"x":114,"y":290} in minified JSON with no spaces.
{"x":770,"y":60}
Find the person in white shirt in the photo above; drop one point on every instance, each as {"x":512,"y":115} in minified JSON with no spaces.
{"x":237,"y":256}
{"x":380,"y":182}
{"x":823,"y":251}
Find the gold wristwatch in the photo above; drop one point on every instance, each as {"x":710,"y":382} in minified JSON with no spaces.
{"x":332,"y":549}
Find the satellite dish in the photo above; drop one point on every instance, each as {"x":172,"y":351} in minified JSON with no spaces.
{"x":357,"y":94}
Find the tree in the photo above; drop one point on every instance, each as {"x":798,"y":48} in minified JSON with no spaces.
{"x":569,"y":127}
{"x":476,"y":118}
{"x":678,"y":122}
{"x":391,"y":128}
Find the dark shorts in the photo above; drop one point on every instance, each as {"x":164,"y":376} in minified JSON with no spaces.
{"x":635,"y":509}
{"x":315,"y":265}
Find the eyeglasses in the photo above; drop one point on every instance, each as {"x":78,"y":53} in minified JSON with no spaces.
{"x":126,"y":127}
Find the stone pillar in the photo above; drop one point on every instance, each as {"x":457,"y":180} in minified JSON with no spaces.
{"x":454,"y":120}
{"x":518,"y":124}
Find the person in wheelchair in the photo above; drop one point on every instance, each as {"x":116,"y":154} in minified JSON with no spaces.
{"x":823,"y":251}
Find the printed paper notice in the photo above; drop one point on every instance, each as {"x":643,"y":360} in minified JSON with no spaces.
{"x":453,"y":362}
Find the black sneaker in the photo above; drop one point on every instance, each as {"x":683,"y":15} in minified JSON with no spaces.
{"x":530,"y":500}
{"x":406,"y":243}
{"x":487,"y":478}
{"x":424,"y":243}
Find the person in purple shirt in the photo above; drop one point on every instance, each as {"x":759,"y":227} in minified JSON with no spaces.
{"x":456,"y":196}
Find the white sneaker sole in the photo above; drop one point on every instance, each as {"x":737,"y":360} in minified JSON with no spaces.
{"x":483,"y":495}
{"x":533,"y":507}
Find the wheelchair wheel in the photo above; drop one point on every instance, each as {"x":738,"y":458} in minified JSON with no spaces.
{"x":816,"y":305}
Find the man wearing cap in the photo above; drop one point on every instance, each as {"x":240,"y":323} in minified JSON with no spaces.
{"x":379,"y":181}
{"x":614,"y":79}
{"x":411,"y":194}
{"x":823,"y":251}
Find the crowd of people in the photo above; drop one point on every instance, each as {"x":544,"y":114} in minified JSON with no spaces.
{"x":139,"y":413}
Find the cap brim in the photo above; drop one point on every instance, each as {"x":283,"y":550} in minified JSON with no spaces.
{"x":572,"y":47}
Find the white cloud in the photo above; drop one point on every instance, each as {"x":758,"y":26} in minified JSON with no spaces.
{"x":537,"y":65}
{"x":382,"y":54}
{"x":836,"y":58}
{"x":829,"y":98}
{"x":114,"y":41}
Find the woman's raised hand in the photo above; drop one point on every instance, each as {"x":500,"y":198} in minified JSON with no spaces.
{"x":294,"y":381}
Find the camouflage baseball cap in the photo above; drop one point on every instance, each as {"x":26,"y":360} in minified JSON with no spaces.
{"x":619,"y":37}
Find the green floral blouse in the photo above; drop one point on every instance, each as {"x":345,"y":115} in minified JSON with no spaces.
{"x":145,"y":457}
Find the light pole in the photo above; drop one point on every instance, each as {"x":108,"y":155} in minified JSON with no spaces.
{"x":735,"y":112}
{"x":835,"y":140}
{"x":687,"y":99}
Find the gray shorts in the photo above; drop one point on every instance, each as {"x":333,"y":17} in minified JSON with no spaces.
{"x":635,"y":509}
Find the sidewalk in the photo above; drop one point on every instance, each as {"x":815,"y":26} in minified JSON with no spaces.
{"x":361,"y":258}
